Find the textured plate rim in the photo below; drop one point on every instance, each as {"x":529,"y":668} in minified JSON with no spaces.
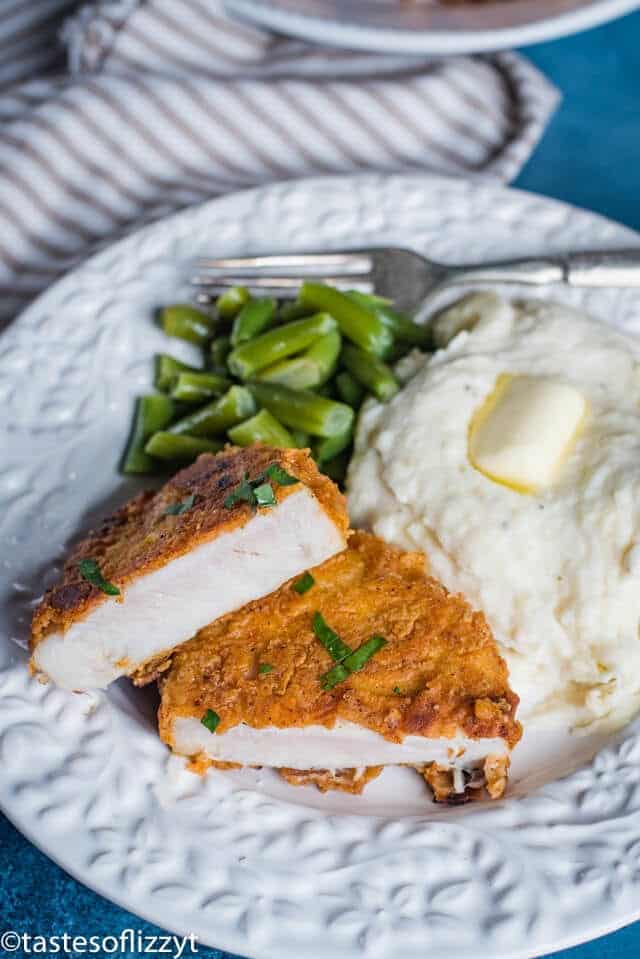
{"x":279,"y":16}
{"x":232,"y":942}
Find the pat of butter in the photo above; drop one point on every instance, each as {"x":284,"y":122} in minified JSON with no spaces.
{"x":524,"y":430}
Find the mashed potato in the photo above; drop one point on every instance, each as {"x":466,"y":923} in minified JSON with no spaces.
{"x":556,"y":572}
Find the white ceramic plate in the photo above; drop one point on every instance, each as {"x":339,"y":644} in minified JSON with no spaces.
{"x":242,"y":860}
{"x":421,"y":26}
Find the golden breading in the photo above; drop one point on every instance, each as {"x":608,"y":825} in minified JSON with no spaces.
{"x":439,"y":673}
{"x":140,"y":537}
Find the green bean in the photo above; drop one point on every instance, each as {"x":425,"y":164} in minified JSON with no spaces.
{"x":252,"y":319}
{"x":303,"y":410}
{"x":401,"y":325}
{"x":198,"y":387}
{"x":349,"y":390}
{"x":301,"y":440}
{"x":152,"y":413}
{"x":293,"y":310}
{"x":168,"y":446}
{"x":261,"y":428}
{"x":236,"y":405}
{"x":356,"y":322}
{"x":336,"y":469}
{"x":371,"y":372}
{"x":331,"y":446}
{"x":167,"y":369}
{"x":308,"y":370}
{"x":283,"y":341}
{"x":187,"y":323}
{"x":231,"y":302}
{"x":219,"y":351}
{"x":399,"y":350}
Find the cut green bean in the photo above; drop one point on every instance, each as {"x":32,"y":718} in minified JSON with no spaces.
{"x":169,"y":446}
{"x":283,"y":341}
{"x":198,"y":387}
{"x":252,"y":319}
{"x":231,"y":302}
{"x":219,"y":351}
{"x":356,"y":322}
{"x":187,"y":323}
{"x":303,"y":410}
{"x":401,"y":325}
{"x":301,"y":440}
{"x":294,"y":310}
{"x":308,"y":370}
{"x":167,"y":369}
{"x":261,"y":428}
{"x":371,"y":372}
{"x":152,"y":413}
{"x":235,"y":406}
{"x":349,"y":390}
{"x":336,"y":469}
{"x":330,"y":446}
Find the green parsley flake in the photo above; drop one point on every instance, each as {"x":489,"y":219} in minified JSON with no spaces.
{"x":90,"y":571}
{"x":304,"y":584}
{"x":264,"y":495}
{"x":265,"y":668}
{"x":211,"y":720}
{"x":177,"y":508}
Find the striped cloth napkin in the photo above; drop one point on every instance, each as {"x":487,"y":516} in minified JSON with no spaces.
{"x":165,"y":103}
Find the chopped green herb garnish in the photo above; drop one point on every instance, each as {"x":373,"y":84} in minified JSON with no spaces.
{"x":330,"y":640}
{"x":304,"y":584}
{"x":397,"y":691}
{"x":90,"y":571}
{"x":280,"y":476}
{"x":265,"y":668}
{"x":211,"y":720}
{"x":264,"y":495}
{"x":352,"y":663}
{"x":243,"y":493}
{"x":177,"y":508}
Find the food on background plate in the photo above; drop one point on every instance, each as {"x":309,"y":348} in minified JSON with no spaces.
{"x":511,"y":458}
{"x":362,"y":662}
{"x":289,"y":374}
{"x":222,"y":532}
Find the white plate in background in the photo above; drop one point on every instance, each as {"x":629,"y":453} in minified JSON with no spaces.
{"x":241,"y":859}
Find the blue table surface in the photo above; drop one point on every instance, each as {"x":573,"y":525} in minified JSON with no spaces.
{"x":590,"y":156}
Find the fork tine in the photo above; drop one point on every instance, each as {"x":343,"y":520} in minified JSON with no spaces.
{"x":299,"y":264}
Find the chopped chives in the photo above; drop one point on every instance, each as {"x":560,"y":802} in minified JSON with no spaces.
{"x":243,"y":493}
{"x":397,"y":691}
{"x":90,"y":570}
{"x":177,"y":508}
{"x":211,"y":720}
{"x":304,"y":584}
{"x":264,"y":495}
{"x":352,"y":663}
{"x":265,"y":668}
{"x":280,"y":476}
{"x":330,"y":640}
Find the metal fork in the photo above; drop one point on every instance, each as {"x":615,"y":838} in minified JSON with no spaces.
{"x":406,"y":277}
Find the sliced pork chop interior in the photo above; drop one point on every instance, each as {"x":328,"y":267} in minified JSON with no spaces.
{"x":170,"y":562}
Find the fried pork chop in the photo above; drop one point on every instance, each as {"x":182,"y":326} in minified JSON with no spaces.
{"x":436,"y":696}
{"x":180,"y":558}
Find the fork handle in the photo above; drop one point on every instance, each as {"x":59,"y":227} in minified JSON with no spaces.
{"x":619,"y":268}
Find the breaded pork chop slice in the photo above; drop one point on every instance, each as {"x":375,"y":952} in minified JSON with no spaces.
{"x":224,"y":531}
{"x":264,"y":685}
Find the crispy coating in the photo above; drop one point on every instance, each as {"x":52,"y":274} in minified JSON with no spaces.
{"x":140,"y":538}
{"x":439,"y":673}
{"x":344,"y":780}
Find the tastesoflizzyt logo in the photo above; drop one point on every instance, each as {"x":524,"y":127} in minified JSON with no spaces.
{"x":129,"y":941}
